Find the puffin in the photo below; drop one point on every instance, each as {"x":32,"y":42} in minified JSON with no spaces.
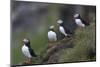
{"x":28,"y":51}
{"x":79,"y":21}
{"x":52,"y":36}
{"x":63,"y":30}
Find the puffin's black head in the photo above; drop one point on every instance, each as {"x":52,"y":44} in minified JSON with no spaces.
{"x":60,"y":22}
{"x":77,"y":16}
{"x":51,"y":28}
{"x":26,"y":41}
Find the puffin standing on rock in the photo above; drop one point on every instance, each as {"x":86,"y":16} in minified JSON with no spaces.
{"x":52,"y":36}
{"x":63,"y":30}
{"x":79,"y":21}
{"x":28,"y":51}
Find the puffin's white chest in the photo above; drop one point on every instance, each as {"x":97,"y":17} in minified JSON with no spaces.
{"x":52,"y":36}
{"x":61,"y":29}
{"x":79,"y":23}
{"x":26,"y":52}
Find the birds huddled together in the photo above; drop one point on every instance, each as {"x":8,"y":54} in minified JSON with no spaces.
{"x":52,"y":36}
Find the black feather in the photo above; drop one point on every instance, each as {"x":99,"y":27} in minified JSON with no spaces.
{"x":83,"y":21}
{"x":68,"y":31}
{"x":32,"y":52}
{"x":28,"y":44}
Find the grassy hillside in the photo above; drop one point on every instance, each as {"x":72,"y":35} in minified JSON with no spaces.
{"x":84,"y":46}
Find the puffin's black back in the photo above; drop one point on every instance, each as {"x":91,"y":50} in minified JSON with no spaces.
{"x":83,"y":21}
{"x":30,"y":49}
{"x":68,"y":31}
{"x":32,"y":52}
{"x":86,"y":23}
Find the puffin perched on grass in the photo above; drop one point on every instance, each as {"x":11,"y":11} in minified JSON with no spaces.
{"x":63,"y":30}
{"x":79,"y":21}
{"x":28,"y":51}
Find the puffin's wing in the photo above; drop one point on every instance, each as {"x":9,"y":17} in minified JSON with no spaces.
{"x":68,"y":31}
{"x":32,"y":52}
{"x":83,"y":21}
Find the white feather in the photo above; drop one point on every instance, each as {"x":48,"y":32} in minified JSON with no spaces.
{"x":26,"y":52}
{"x":52,"y":36}
{"x":61,"y":29}
{"x":79,"y":22}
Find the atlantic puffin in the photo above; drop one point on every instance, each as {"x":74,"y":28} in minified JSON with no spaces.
{"x":52,"y":36}
{"x":28,"y":51}
{"x":63,"y":30}
{"x":79,"y":21}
